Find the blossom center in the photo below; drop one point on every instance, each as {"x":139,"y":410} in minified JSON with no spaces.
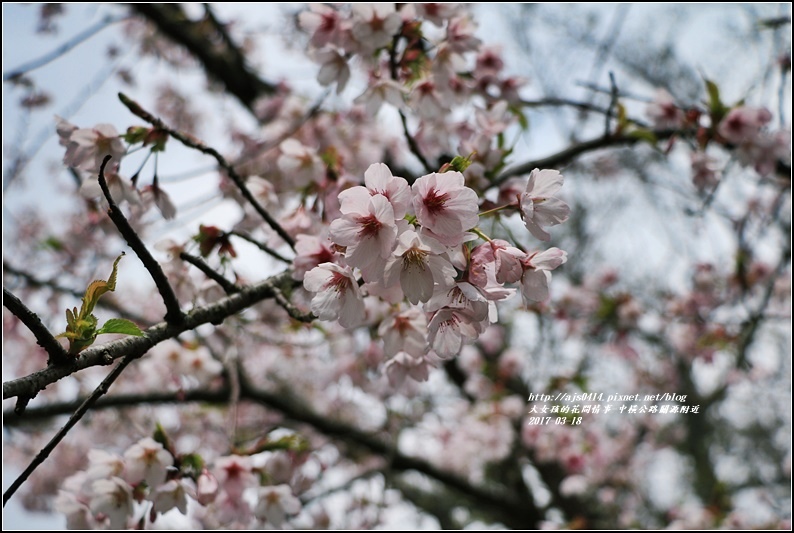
{"x":370,"y":226}
{"x":434,"y":202}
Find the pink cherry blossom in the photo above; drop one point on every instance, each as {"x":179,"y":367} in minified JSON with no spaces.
{"x":403,"y":365}
{"x":537,"y":273}
{"x":148,"y":461}
{"x":112,"y":498}
{"x":86,"y":148}
{"x":234,"y":475}
{"x":664,"y":112}
{"x":379,"y":180}
{"x":300,"y":164}
{"x":418,"y":266}
{"x":324,"y":23}
{"x":743,"y":123}
{"x":404,"y":332}
{"x":172,"y":494}
{"x":380,"y":91}
{"x":374,"y":25}
{"x":333,"y":69}
{"x":311,"y":251}
{"x":450,"y":326}
{"x":275,"y":504}
{"x":337,"y":294}
{"x":444,"y":205}
{"x":538,"y":205}
{"x":367,"y":228}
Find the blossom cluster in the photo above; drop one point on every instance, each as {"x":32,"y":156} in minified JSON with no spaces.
{"x":415,"y":244}
{"x":149,"y":480}
{"x":743,"y":128}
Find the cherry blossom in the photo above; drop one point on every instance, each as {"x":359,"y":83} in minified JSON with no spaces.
{"x":444,"y":205}
{"x":337,"y":294}
{"x":148,"y":461}
{"x":538,"y":205}
{"x":275,"y":504}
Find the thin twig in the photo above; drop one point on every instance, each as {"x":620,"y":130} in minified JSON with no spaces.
{"x":293,"y":311}
{"x":44,"y":338}
{"x":613,"y":103}
{"x":173,"y":313}
{"x":261,"y":246}
{"x":408,"y":137}
{"x":194,"y":143}
{"x":64,"y":48}
{"x":567,"y":155}
{"x":226,"y":285}
{"x":74,"y":419}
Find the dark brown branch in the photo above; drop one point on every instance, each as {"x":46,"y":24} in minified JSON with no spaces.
{"x":569,"y":154}
{"x":73,"y":420}
{"x":194,"y":143}
{"x":228,"y":286}
{"x":221,"y":61}
{"x":173,"y":313}
{"x":45,"y":412}
{"x":522,"y":514}
{"x":104,"y":354}
{"x":44,"y":338}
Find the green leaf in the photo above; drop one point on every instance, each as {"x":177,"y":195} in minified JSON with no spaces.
{"x":642,"y":134}
{"x":120,"y":325}
{"x":97,"y":288}
{"x":716,"y":106}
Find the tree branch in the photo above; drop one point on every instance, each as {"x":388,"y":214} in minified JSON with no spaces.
{"x":104,"y":354}
{"x":222,"y":61}
{"x":261,"y":246}
{"x":567,"y":155}
{"x":44,"y":338}
{"x":73,"y":420}
{"x":226,"y":285}
{"x":173,"y":313}
{"x":496,"y":499}
{"x":194,"y":143}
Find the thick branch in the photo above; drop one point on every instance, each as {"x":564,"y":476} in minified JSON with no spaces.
{"x":194,"y":143}
{"x":173,"y":313}
{"x":221,"y":61}
{"x":104,"y":354}
{"x":44,"y":338}
{"x":505,"y":505}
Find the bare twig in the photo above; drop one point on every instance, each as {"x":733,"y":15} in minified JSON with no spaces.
{"x":173,"y":313}
{"x":567,"y":155}
{"x":228,"y":286}
{"x":63,"y":49}
{"x":43,"y":336}
{"x":194,"y":143}
{"x":268,"y":250}
{"x":74,"y":419}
